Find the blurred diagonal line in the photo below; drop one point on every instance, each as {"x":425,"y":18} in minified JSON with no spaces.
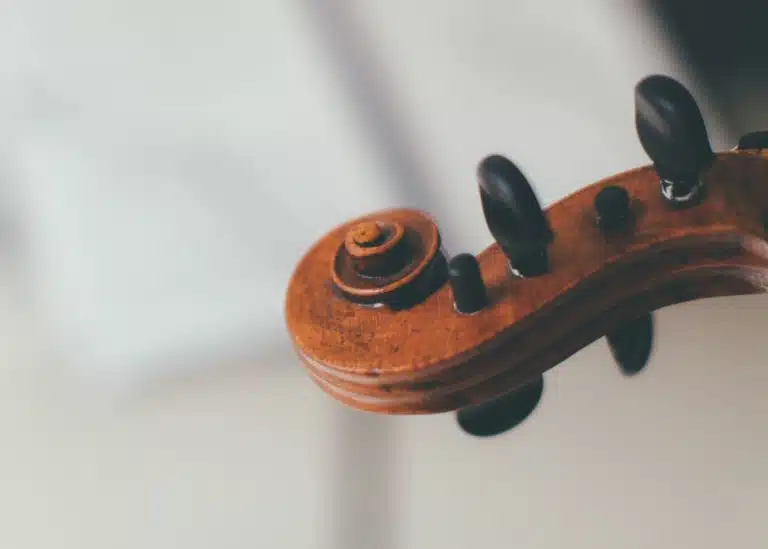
{"x":365,"y":445}
{"x":373,"y":95}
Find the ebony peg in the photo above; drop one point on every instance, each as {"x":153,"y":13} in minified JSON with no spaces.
{"x":672,"y":133}
{"x":631,"y":344}
{"x":469,"y":295}
{"x":502,"y":414}
{"x":612,"y":207}
{"x":753,"y":140}
{"x":514,"y":216}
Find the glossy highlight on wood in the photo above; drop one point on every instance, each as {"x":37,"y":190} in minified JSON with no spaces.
{"x":429,"y":358}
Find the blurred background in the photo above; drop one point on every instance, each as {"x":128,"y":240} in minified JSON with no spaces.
{"x":164,"y":165}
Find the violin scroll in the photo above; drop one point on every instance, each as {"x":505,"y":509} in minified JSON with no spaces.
{"x":391,"y":258}
{"x":384,"y":321}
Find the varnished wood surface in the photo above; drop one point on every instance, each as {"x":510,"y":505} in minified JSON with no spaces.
{"x":413,"y":242}
{"x":429,"y":358}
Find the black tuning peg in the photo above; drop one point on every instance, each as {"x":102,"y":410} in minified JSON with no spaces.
{"x":631,"y":344}
{"x":753,"y":140}
{"x":612,"y":207}
{"x":469,"y":293}
{"x":672,"y":133}
{"x":514,"y":216}
{"x":502,"y":414}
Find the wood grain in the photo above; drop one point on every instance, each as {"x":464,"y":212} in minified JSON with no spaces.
{"x":428,"y":358}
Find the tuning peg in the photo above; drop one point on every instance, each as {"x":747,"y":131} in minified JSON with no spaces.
{"x":514,"y":216}
{"x":612,"y":207}
{"x":753,"y":140}
{"x":502,"y":414}
{"x":631,"y":344}
{"x":672,"y":133}
{"x":469,"y":294}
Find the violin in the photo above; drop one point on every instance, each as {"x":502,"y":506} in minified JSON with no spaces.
{"x":384,"y":321}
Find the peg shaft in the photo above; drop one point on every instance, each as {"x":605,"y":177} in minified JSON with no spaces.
{"x":469,"y":294}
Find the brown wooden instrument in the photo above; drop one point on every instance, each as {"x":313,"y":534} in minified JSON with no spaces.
{"x":385,"y":322}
